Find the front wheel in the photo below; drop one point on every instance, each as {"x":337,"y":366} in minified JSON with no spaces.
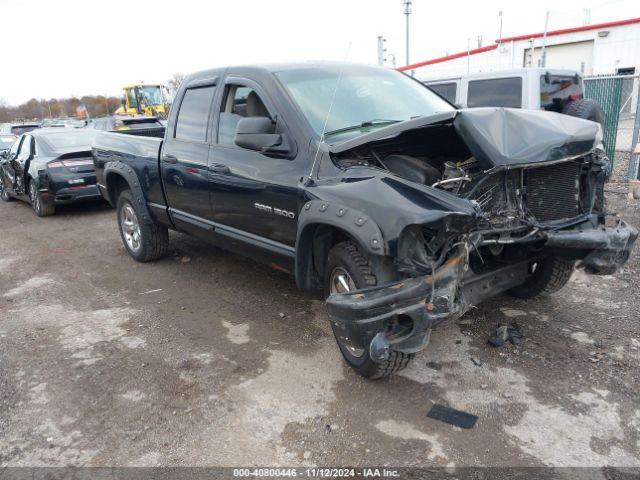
{"x":144,"y":242}
{"x":547,"y":276}
{"x":39,"y":207}
{"x":348,"y":269}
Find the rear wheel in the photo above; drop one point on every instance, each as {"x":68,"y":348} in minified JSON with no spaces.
{"x":549,"y":275}
{"x":39,"y":207}
{"x":144,"y":242}
{"x":348,"y":269}
{"x":585,"y":108}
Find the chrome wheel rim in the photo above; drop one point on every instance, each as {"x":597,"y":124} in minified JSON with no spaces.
{"x":341,"y":282}
{"x":35,"y":198}
{"x":3,"y":193}
{"x":130,"y":228}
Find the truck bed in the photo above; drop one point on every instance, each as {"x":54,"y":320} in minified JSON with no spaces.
{"x":140,"y":153}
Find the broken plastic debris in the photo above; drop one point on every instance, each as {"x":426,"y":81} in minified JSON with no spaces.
{"x":452,"y":416}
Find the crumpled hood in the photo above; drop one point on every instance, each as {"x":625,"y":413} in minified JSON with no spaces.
{"x":499,"y":137}
{"x":504,"y":136}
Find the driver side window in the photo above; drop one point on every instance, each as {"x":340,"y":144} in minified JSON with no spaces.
{"x":25,"y":148}
{"x":239,"y":102}
{"x":14,"y":148}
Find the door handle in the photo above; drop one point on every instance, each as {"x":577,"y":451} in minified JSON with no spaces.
{"x":219,"y":168}
{"x":170,"y":159}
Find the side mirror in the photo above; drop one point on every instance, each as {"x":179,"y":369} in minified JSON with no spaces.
{"x":4,"y":154}
{"x":257,"y":133}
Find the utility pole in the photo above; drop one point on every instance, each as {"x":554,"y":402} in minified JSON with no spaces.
{"x":543,"y":54}
{"x":500,"y":31}
{"x":381,"y":50}
{"x":407,"y":12}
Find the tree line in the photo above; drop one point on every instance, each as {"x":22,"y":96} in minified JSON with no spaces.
{"x":34,"y":109}
{"x":96,"y":105}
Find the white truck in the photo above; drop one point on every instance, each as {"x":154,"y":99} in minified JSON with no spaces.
{"x":547,"y":89}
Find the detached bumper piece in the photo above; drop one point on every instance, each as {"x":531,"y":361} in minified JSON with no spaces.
{"x":369,"y":317}
{"x":608,"y":248}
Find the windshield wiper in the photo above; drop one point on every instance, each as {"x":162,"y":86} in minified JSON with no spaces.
{"x":368,"y":123}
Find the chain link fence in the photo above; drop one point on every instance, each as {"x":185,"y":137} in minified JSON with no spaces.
{"x":618,"y":95}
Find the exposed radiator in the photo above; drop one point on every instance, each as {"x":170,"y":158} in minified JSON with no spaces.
{"x":553,"y":192}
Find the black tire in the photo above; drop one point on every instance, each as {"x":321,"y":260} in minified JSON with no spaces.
{"x":550,"y":275}
{"x":35,"y":197}
{"x":358,"y":265}
{"x":4,"y":195}
{"x":152,"y":240}
{"x":585,"y":108}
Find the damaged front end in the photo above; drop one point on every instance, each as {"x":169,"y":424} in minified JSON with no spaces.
{"x":531,"y":200}
{"x":400,"y":315}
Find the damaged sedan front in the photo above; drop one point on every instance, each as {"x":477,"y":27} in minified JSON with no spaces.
{"x":436,"y":213}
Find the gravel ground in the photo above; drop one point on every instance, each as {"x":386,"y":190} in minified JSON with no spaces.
{"x":206,"y":358}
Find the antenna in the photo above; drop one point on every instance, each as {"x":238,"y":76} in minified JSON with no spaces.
{"x":326,"y":119}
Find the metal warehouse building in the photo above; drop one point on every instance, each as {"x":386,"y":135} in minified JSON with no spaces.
{"x":604,"y":48}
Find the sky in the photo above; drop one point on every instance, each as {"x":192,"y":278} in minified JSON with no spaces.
{"x":80,"y":47}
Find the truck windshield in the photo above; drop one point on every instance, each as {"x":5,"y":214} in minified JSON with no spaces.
{"x":365,"y":97}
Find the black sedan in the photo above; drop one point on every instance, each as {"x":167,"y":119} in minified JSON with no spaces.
{"x":49,"y":167}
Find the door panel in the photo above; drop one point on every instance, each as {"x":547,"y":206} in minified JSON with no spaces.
{"x":21,"y":163}
{"x":7,"y":172}
{"x":250,"y":191}
{"x":258,"y":194}
{"x":184,"y":161}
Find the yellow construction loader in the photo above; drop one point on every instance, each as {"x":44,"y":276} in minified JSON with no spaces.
{"x":144,"y":99}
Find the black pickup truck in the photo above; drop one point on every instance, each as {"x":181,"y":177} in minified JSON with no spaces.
{"x":362,"y":182}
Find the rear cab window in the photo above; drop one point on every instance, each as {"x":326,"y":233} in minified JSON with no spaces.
{"x":495,"y":92}
{"x":445,"y":90}
{"x":193,"y":116}
{"x":558,"y":90}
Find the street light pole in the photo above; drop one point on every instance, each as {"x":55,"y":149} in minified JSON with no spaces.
{"x":407,"y":12}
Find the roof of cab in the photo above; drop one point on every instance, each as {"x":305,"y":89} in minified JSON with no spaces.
{"x":277,"y":67}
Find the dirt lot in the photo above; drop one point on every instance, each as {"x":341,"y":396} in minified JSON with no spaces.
{"x":206,"y":358}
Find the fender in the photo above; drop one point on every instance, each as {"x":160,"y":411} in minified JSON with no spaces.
{"x":129,"y":175}
{"x":354,"y":223}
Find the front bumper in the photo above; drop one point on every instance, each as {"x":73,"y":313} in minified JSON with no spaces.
{"x":366,"y":316}
{"x":607,"y":249}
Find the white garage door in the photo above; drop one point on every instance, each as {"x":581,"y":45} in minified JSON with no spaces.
{"x":574,"y":56}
